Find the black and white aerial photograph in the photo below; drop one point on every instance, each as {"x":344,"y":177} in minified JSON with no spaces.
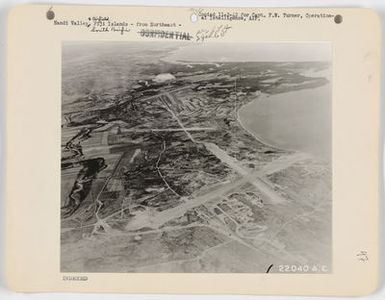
{"x":196,"y":158}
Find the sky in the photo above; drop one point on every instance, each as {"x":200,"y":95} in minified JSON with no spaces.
{"x":262,"y":52}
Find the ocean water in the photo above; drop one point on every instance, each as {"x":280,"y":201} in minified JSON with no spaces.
{"x":298,"y":120}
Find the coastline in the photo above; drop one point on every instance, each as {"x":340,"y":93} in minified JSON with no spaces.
{"x":258,"y":138}
{"x":298,"y":127}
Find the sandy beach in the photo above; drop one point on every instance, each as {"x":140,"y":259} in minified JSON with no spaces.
{"x":297,"y":120}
